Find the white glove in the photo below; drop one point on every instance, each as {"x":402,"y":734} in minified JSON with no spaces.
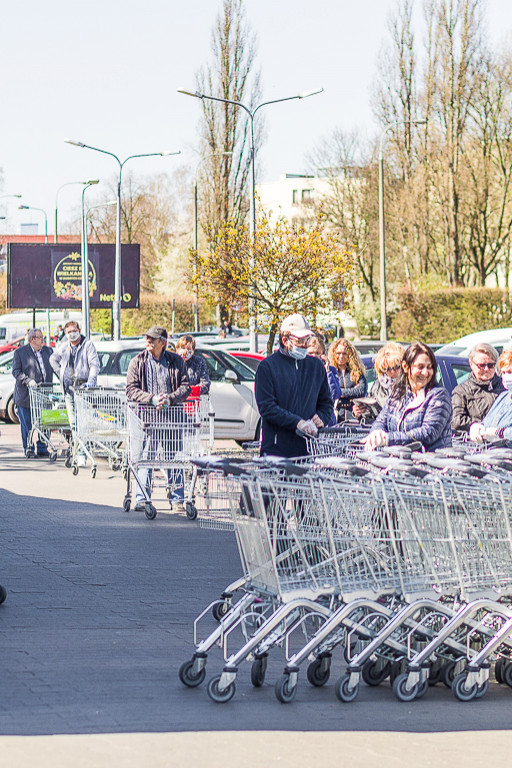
{"x":376,"y":439}
{"x":476,"y":432}
{"x":31,"y":383}
{"x":489,"y":433}
{"x":309,"y":427}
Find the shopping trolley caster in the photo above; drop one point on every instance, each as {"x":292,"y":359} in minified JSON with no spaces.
{"x":218,"y":694}
{"x":75,"y":469}
{"x":29,"y":453}
{"x":405,"y":692}
{"x":193,"y":672}
{"x":258,"y":670}
{"x":344,"y":691}
{"x":286,"y":687}
{"x":67,"y":463}
{"x":375,"y":672}
{"x":220,"y":609}
{"x":149,"y":510}
{"x":3,"y":594}
{"x":127,"y":503}
{"x":53,"y":457}
{"x":319,"y":671}
{"x":93,"y":471}
{"x":474,"y":691}
{"x":191,"y":510}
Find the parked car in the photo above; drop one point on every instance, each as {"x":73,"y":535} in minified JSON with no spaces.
{"x":251,"y":359}
{"x":498,"y":337}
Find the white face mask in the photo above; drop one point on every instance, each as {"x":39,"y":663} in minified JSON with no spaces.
{"x":73,"y":335}
{"x":506,"y":379}
{"x":299,"y":353}
{"x":186,"y":354}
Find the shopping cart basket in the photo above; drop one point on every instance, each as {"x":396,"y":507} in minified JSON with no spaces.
{"x":48,"y":413}
{"x":100,"y":426}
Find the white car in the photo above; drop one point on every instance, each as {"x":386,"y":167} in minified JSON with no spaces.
{"x":231,"y":392}
{"x":7,"y":408}
{"x":498,"y":337}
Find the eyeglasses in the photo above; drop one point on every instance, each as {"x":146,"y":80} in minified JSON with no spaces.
{"x":485,"y":366}
{"x":300,"y":341}
{"x":392,"y":368}
{"x":38,"y":337}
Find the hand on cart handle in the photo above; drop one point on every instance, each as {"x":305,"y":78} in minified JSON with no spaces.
{"x":317,"y":421}
{"x":308,"y":427}
{"x":376,"y":439}
{"x":160,"y":401}
{"x":476,"y":432}
{"x":32,"y":383}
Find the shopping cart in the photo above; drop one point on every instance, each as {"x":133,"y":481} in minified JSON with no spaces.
{"x":161,"y":443}
{"x":342,"y":440}
{"x":48,"y":413}
{"x":100,"y":427}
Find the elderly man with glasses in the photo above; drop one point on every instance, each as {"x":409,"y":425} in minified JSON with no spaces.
{"x":157,"y":377}
{"x":31,"y":368}
{"x":292,"y":392}
{"x":473,"y":399}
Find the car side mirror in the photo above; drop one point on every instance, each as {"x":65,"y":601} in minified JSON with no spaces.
{"x":231,"y":376}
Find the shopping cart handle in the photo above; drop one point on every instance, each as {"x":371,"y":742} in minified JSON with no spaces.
{"x":402,"y":451}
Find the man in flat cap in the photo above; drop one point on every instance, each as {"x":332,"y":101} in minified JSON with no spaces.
{"x":157,"y":377}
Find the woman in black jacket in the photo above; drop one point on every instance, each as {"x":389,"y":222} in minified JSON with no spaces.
{"x":344,"y":357}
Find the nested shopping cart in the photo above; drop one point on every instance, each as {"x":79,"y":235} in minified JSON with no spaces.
{"x":100,"y":427}
{"x":48,"y":413}
{"x":342,"y":440}
{"x":161,"y":444}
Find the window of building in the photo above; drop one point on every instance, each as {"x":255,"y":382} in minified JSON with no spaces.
{"x":307,"y":195}
{"x":295,"y":196}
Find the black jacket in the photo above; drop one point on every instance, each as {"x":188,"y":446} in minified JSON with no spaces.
{"x":288,"y":390}
{"x":137,"y":383}
{"x":25,"y":367}
{"x":472,"y":400}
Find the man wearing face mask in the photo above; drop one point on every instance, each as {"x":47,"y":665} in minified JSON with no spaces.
{"x":197,"y":371}
{"x":497,"y":424}
{"x":292,"y":392}
{"x":76,"y":363}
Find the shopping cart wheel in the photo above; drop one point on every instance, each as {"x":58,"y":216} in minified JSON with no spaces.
{"x":53,"y":456}
{"x":258,"y":670}
{"x":220,"y":697}
{"x":319,"y":671}
{"x":342,"y":690}
{"x":149,"y":510}
{"x":375,"y":672}
{"x":460,"y":691}
{"x":220,"y":609}
{"x":3,"y":594}
{"x":482,"y":690}
{"x":449,"y":673}
{"x":127,"y":503}
{"x":506,"y":672}
{"x":67,"y":463}
{"x":191,"y":510}
{"x":188,"y":677}
{"x":401,"y":691}
{"x":75,"y":469}
{"x":498,"y":669}
{"x":29,"y":454}
{"x":93,"y":472}
{"x":285,"y":693}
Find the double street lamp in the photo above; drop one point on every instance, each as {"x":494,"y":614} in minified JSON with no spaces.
{"x":116,"y":304}
{"x":252,"y":221}
{"x":382,"y":238}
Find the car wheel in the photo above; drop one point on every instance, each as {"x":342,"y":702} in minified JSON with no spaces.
{"x":12,"y":412}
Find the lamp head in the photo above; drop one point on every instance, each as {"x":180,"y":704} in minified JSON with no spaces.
{"x":196,"y":94}
{"x":167,"y":152}
{"x":74,"y":142}
{"x":305,"y":94}
{"x":23,"y":207}
{"x":91,"y":182}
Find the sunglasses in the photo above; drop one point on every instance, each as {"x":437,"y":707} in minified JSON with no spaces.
{"x":393,"y":368}
{"x":485,"y":366}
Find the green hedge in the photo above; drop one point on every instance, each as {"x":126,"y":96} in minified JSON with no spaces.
{"x":441,"y":316}
{"x":154,"y":310}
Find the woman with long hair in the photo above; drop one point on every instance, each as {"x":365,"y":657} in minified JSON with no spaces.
{"x":343,"y":356}
{"x":419,"y":409}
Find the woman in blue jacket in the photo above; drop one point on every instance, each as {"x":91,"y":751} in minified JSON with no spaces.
{"x":418,"y":408}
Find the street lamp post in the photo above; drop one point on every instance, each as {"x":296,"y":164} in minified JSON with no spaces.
{"x":86,"y":315}
{"x":252,"y":220}
{"x":33,"y":208}
{"x":67,"y":184}
{"x":85,"y":282}
{"x":116,"y":304}
{"x":201,"y":161}
{"x":382,"y":240}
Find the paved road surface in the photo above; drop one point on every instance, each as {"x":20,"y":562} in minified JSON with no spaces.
{"x":98,"y":619}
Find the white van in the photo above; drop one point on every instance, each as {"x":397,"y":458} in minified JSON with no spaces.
{"x":16,"y":324}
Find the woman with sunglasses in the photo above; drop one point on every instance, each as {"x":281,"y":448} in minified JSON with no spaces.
{"x":473,"y":399}
{"x":498,"y":421}
{"x":418,"y":409}
{"x":387,"y":364}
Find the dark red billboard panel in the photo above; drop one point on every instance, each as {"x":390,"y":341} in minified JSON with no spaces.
{"x":50,"y":276}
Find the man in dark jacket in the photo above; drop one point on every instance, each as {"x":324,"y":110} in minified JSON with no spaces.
{"x":157,"y":377}
{"x":31,"y":368}
{"x":292,"y":392}
{"x":472,"y":399}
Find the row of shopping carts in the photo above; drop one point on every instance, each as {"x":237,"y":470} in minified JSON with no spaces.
{"x":400,"y":557}
{"x":152,"y":447}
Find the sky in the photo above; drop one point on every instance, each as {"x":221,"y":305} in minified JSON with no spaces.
{"x":106,"y":72}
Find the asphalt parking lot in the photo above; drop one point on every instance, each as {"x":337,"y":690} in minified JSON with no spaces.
{"x":98,"y":619}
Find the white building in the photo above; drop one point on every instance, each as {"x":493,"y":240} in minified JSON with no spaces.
{"x":291,"y":195}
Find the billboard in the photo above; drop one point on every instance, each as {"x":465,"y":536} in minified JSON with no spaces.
{"x":50,"y":276}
